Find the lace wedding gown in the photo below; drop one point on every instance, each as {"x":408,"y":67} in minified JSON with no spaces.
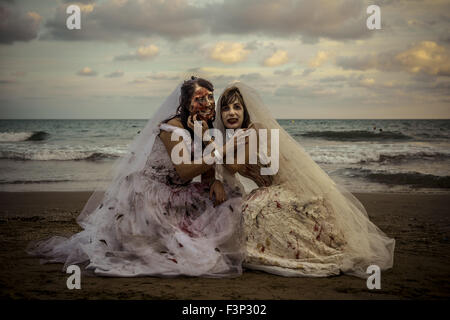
{"x":288,"y":236}
{"x":149,"y":223}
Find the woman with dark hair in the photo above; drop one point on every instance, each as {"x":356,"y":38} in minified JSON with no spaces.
{"x":196,"y":104}
{"x":189,"y":100}
{"x":153,"y":219}
{"x":233,"y":114}
{"x":298,"y":222}
{"x":231,"y":99}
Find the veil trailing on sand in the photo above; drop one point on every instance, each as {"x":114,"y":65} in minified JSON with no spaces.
{"x":302,"y":177}
{"x":134,"y":160}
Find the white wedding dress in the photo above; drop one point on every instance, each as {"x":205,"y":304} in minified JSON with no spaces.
{"x":148,"y":223}
{"x":304,"y":224}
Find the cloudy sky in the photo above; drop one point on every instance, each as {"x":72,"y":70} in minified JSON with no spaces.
{"x":308,"y":59}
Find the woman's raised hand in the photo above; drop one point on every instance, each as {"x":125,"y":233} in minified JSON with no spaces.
{"x":191,"y":120}
{"x":237,"y":139}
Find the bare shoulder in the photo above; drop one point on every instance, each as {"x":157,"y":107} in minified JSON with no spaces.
{"x":176,"y":122}
{"x":166,"y":136}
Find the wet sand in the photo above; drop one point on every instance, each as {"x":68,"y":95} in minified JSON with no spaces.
{"x":420,"y":224}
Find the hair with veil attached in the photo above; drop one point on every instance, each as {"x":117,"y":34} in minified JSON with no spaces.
{"x":300,"y":174}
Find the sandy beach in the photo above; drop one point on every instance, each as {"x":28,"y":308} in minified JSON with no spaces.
{"x":420,"y":223}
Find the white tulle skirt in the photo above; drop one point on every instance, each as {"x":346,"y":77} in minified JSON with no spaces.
{"x":152,"y":225}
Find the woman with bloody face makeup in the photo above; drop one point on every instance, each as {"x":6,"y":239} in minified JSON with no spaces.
{"x":153,"y":219}
{"x":297,"y":220}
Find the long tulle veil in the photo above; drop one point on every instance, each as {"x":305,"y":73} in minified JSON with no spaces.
{"x":69,"y":250}
{"x":134,"y":160}
{"x":366,"y":243}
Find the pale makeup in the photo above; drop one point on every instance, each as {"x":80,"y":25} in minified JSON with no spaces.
{"x":233,"y":115}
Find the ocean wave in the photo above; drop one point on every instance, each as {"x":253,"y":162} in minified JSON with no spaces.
{"x":412,"y":179}
{"x":403,"y":157}
{"x":366,"y":157}
{"x":355,"y":135}
{"x":59,"y":155}
{"x":23,"y":136}
{"x":432,"y":136}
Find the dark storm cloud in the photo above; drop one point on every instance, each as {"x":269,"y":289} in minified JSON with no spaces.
{"x":16,"y":25}
{"x":115,"y":74}
{"x":177,"y":19}
{"x":340,"y":19}
{"x":113,"y":21}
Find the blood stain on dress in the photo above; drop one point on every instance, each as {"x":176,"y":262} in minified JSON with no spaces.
{"x":318,"y":236}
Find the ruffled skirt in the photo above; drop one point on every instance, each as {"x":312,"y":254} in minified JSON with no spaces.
{"x":150,"y":228}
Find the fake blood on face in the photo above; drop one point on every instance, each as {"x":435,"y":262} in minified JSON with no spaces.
{"x":202,"y":104}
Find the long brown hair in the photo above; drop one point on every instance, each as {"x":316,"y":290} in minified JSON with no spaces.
{"x":228,"y":96}
{"x":187,"y":90}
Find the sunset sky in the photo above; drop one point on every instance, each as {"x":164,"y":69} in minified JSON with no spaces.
{"x":308,"y":59}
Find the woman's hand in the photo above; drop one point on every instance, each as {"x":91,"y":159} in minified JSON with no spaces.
{"x":191,"y":120}
{"x":235,"y":141}
{"x":218,"y":192}
{"x":253,"y":171}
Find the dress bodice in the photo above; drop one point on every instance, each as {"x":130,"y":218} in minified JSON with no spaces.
{"x":159,"y":165}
